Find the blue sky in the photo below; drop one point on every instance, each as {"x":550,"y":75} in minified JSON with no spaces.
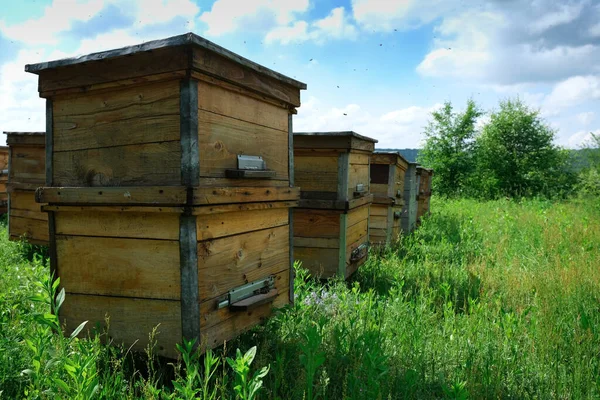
{"x":378,"y":67}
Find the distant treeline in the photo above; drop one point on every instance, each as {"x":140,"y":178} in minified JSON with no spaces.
{"x":410,"y":154}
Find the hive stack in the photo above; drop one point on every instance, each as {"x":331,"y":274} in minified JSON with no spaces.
{"x":409,"y":210}
{"x":169,"y":188}
{"x":331,"y":224}
{"x":388,"y":170}
{"x":26,"y":172}
{"x":3,"y":179}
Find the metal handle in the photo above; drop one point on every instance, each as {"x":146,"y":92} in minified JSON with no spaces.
{"x":360,"y":190}
{"x":250,"y":167}
{"x":240,"y":297}
{"x":359,"y":252}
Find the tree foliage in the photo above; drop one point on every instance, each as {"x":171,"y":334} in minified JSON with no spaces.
{"x":449,"y":147}
{"x":516,"y":155}
{"x":513,"y":155}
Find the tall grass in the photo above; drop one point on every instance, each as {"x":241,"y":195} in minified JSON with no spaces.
{"x":486,"y":300}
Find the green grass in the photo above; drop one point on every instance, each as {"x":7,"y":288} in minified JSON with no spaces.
{"x":486,"y":300}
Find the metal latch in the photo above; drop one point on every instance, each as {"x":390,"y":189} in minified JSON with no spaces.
{"x":249,"y":295}
{"x":399,"y":193}
{"x":359,"y":252}
{"x":250,"y":167}
{"x":397,"y":214}
{"x":360,"y":190}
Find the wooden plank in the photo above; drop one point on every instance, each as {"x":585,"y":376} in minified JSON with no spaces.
{"x":357,"y":231}
{"x":149,"y":195}
{"x":142,"y":268}
{"x":220,"y":100}
{"x":139,"y":165}
{"x":42,"y":216}
{"x":212,"y":226}
{"x":321,"y":243}
{"x":24,"y":200}
{"x":127,"y":225}
{"x":378,"y":210}
{"x":124,"y":116}
{"x":131,"y":320}
{"x":28,"y":165}
{"x":316,"y":173}
{"x":321,"y":142}
{"x":379,"y":221}
{"x":226,"y":263}
{"x":164,"y":195}
{"x":343,"y":178}
{"x":316,"y":223}
{"x":31,"y":228}
{"x":225,"y":195}
{"x":358,"y":214}
{"x":18,"y":139}
{"x":211,"y":63}
{"x":319,"y":262}
{"x":84,"y":76}
{"x":221,"y":208}
{"x":222,"y":138}
{"x":360,"y":144}
{"x":359,"y":158}
{"x":357,"y":174}
{"x":379,"y":189}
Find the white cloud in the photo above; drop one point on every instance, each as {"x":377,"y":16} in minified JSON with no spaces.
{"x":57,"y":18}
{"x":61,"y":14}
{"x":335,"y":26}
{"x":21,"y":109}
{"x":228,"y":16}
{"x":387,"y":15}
{"x":395,"y":129}
{"x":477,"y":47}
{"x":565,"y":14}
{"x":572,"y":92}
{"x":586,"y":118}
{"x":578,"y":139}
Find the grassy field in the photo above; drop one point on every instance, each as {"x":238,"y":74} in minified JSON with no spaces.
{"x":486,"y":300}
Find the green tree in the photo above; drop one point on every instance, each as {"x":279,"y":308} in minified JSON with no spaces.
{"x":449,"y":147}
{"x":515,"y":155}
{"x":589,"y":178}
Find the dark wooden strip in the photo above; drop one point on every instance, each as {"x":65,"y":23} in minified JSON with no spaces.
{"x":49,"y":141}
{"x":188,"y":254}
{"x":190,"y":153}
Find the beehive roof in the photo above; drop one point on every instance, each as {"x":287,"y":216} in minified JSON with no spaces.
{"x":188,"y":39}
{"x":336,"y":134}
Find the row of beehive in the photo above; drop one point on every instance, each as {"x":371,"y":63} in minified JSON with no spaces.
{"x":169,"y":190}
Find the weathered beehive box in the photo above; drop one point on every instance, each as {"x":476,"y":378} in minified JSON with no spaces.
{"x":3,"y":179}
{"x":26,"y":172}
{"x":388,"y":171}
{"x":424,"y":177}
{"x":408,"y":221}
{"x":331,"y":224}
{"x":169,"y":189}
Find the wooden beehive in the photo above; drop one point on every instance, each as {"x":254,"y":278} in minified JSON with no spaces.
{"x":3,"y":179}
{"x":424,"y":177}
{"x":388,"y":171}
{"x":408,"y":221}
{"x":169,"y":189}
{"x":331,"y":224}
{"x":26,"y":172}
